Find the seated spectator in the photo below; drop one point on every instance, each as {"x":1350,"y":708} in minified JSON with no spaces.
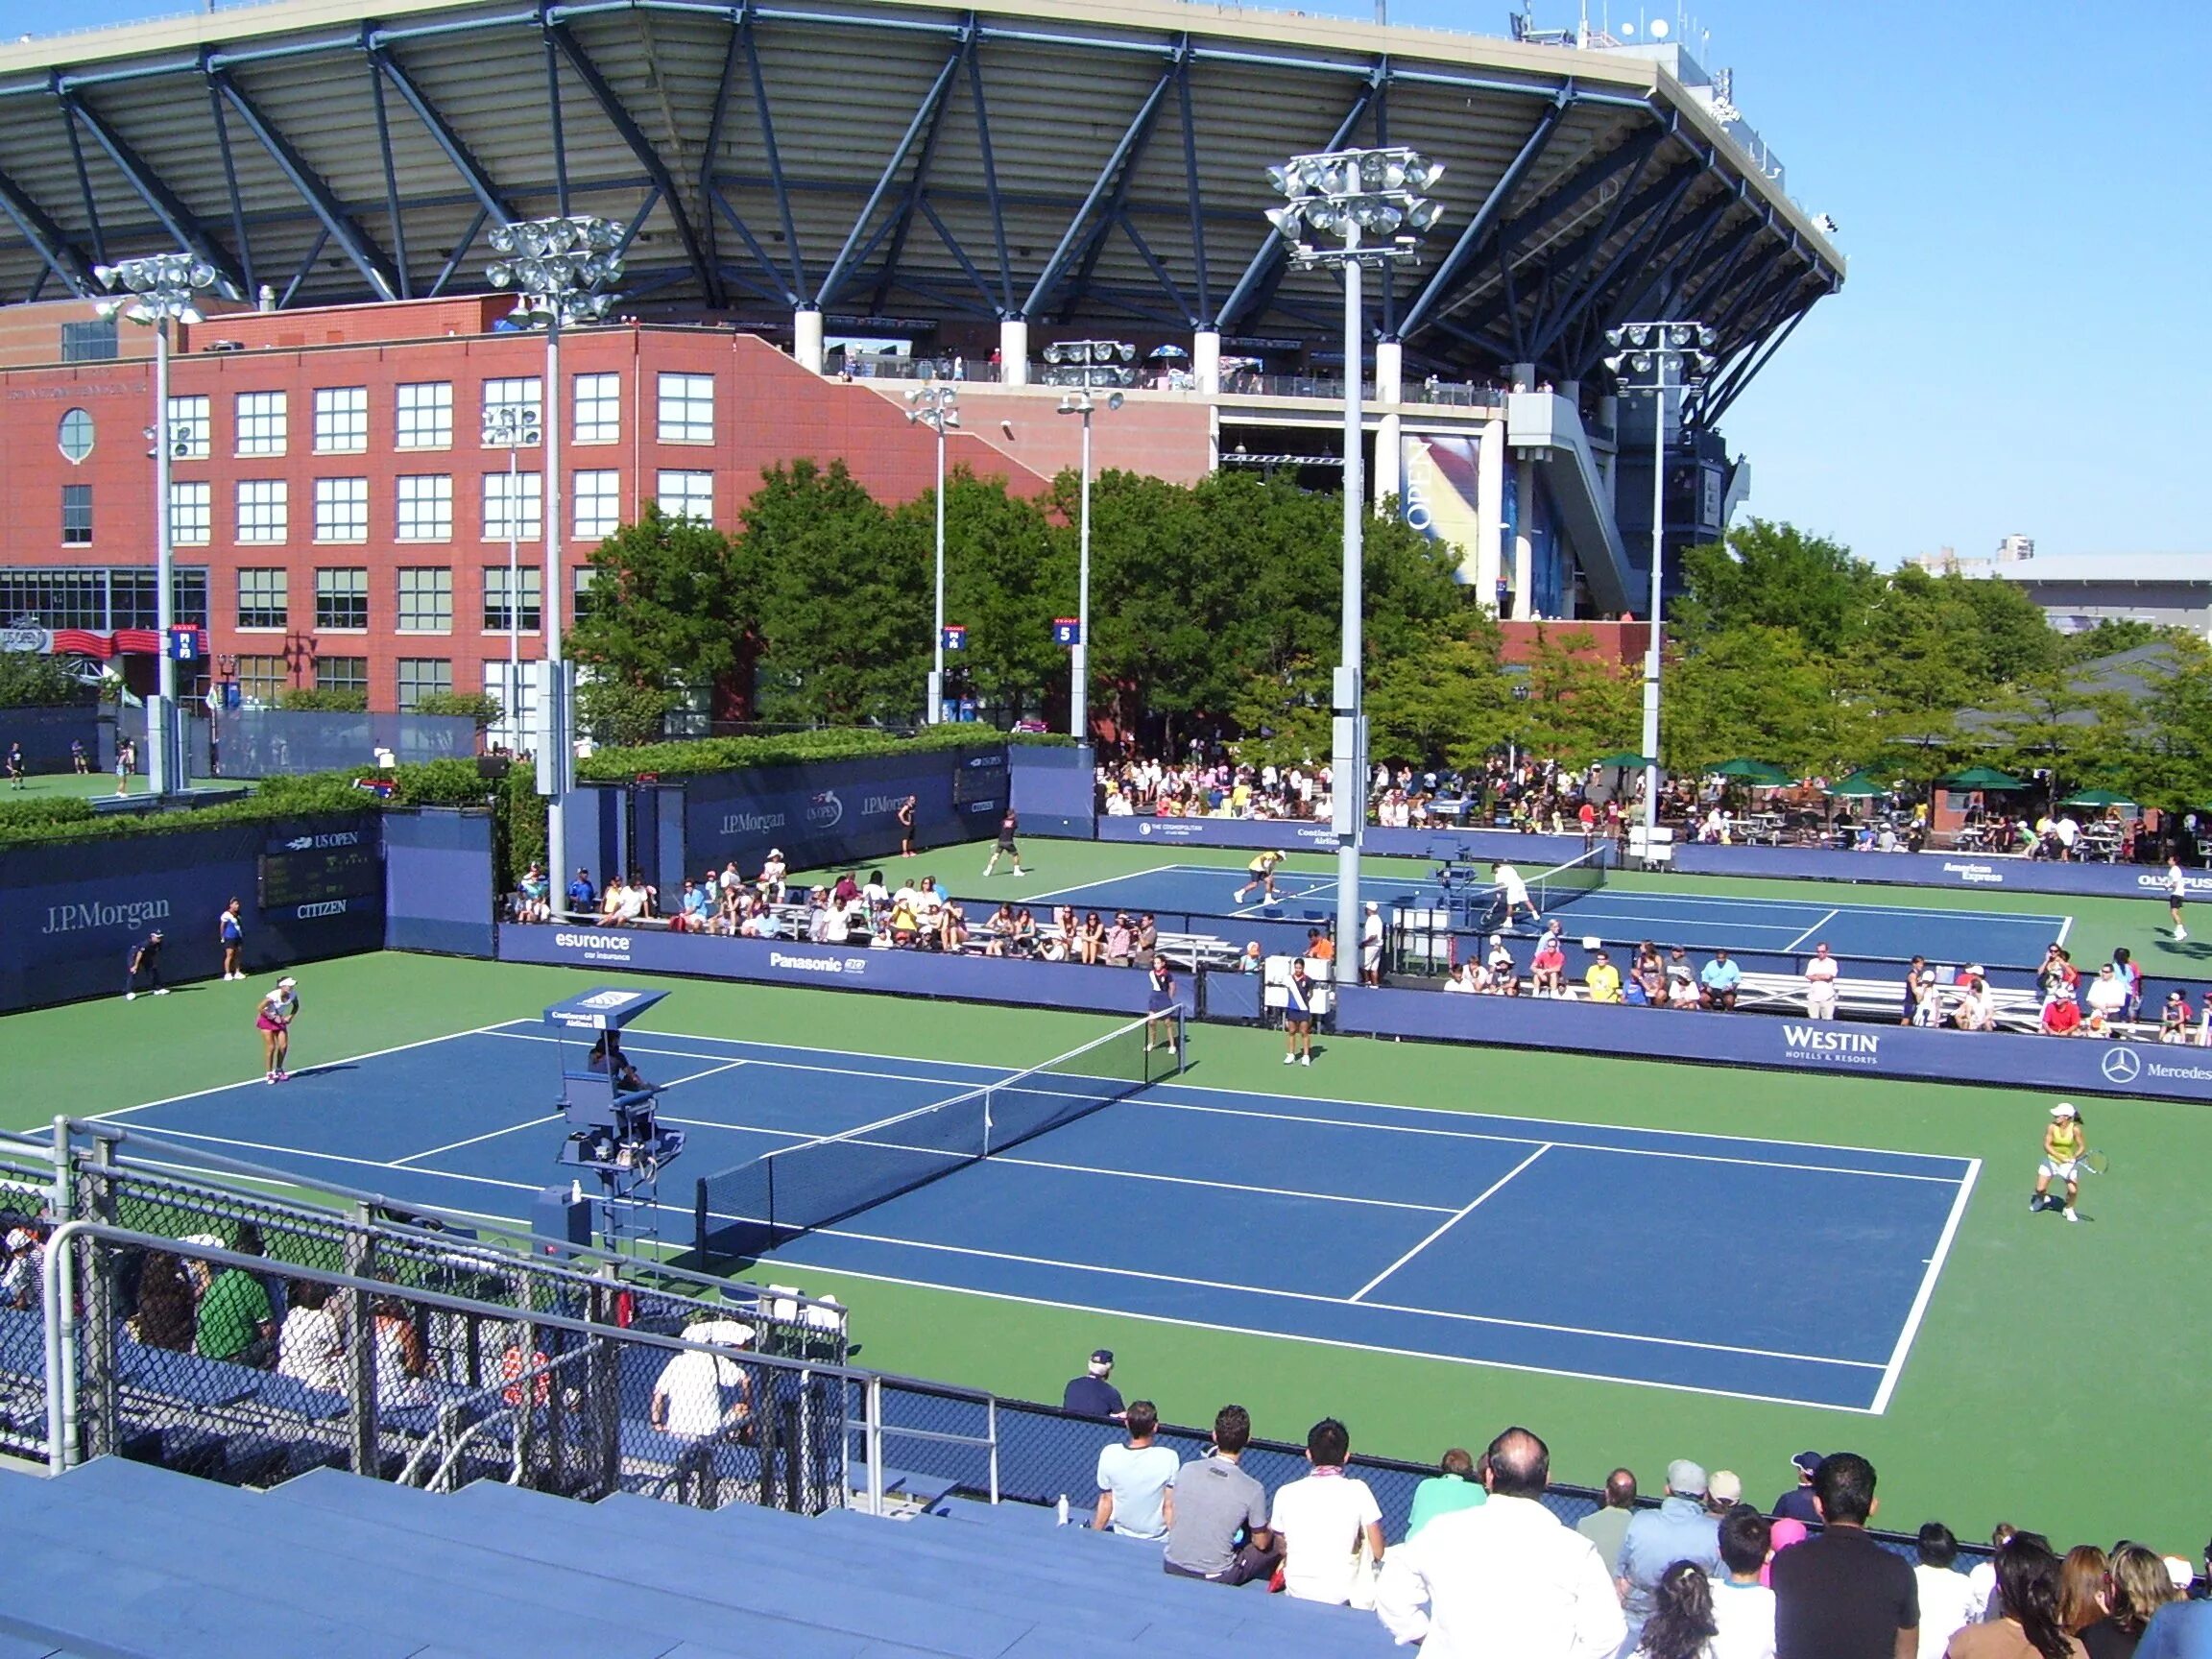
{"x":1452,"y":1487}
{"x":582,"y":897}
{"x":164,"y":1318}
{"x":1602,"y":979}
{"x":1506,"y":1577}
{"x":1820,"y":974}
{"x":1948,"y":1603}
{"x":2174,"y":1018}
{"x":2140,"y":1585}
{"x":772,"y":871}
{"x":1504,"y":974}
{"x":1024,"y":940}
{"x":1927,"y":1001}
{"x":1975,"y":1009}
{"x":2062,"y":1016}
{"x":1647,"y":986}
{"x":1547,"y":968}
{"x":23,"y":1275}
{"x":1796,"y":1504}
{"x":1982,"y":1576}
{"x":2026,"y":1624}
{"x":1681,"y":989}
{"x":1603,"y":1526}
{"x":1217,"y":1527}
{"x":1253,"y":960}
{"x":310,"y":1347}
{"x":2056,"y":970}
{"x":1120,"y":941}
{"x":1137,"y":1480}
{"x":1462,"y":979}
{"x":999,"y":931}
{"x":905,"y":926}
{"x":1679,"y":1529}
{"x":1718,"y":982}
{"x":235,"y":1321}
{"x":1091,"y":1394}
{"x":1681,"y":1623}
{"x":535,"y":895}
{"x":1319,"y":947}
{"x":953,"y":929}
{"x":2081,"y":1596}
{"x":1908,"y":997}
{"x":1743,"y":1607}
{"x":2131,"y":974}
{"x":1320,"y":1520}
{"x":2107,"y":1000}
{"x":1841,"y":1591}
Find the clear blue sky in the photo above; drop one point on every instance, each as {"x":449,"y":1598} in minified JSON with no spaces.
{"x":2021,"y":189}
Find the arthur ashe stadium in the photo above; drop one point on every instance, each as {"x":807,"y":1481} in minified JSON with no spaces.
{"x":982,"y":181}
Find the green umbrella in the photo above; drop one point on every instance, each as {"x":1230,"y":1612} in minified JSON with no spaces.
{"x":1759,"y":772}
{"x":1981,"y":777}
{"x":1630,"y":762}
{"x":1859,"y":787}
{"x":2097,"y":798}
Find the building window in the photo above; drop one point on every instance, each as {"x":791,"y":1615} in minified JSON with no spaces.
{"x":341,"y":509}
{"x":533,"y":586}
{"x":518,"y":703}
{"x":687,"y":495}
{"x":340,"y":420}
{"x":342,"y":674}
{"x":76,"y":514}
{"x":426,"y":507}
{"x":264,"y":597}
{"x":598,"y":409}
{"x":598,"y":513}
{"x":342,"y":597}
{"x":511,"y":507}
{"x":97,"y":597}
{"x":260,"y":680}
{"x":191,"y":513}
{"x":687,"y":408}
{"x":261,"y":426}
{"x":425,"y":415}
{"x":76,"y":436}
{"x":425,"y":600}
{"x":263,"y":509}
{"x":422,"y":677}
{"x":523,"y":395}
{"x":581,"y":606}
{"x":190,"y":430}
{"x":96,"y":341}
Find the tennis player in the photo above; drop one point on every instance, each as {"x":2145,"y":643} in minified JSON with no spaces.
{"x":1513,"y":891}
{"x":1298,"y":1015}
{"x":2063,"y":1144}
{"x":907,"y":828}
{"x":231,"y":931}
{"x":142,"y":967}
{"x":16,"y":766}
{"x":1261,"y":875}
{"x":2177,"y":890}
{"x":278,"y":1009}
{"x":1160,"y":1005}
{"x":1008,"y":827}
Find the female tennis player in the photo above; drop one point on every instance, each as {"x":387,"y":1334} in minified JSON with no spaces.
{"x":278,"y":1009}
{"x":2063,"y":1144}
{"x":1262,"y":874}
{"x":1160,"y":1005}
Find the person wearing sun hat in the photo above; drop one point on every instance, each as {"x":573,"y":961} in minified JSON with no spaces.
{"x":2063,"y":1144}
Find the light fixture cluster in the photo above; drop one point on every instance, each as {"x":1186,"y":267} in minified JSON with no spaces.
{"x":937,"y":407}
{"x":513,"y":426}
{"x":1083,"y":404}
{"x":1346,"y":196}
{"x":160,"y":286}
{"x":1639,"y":349}
{"x":560,"y":268}
{"x":1090,"y":363}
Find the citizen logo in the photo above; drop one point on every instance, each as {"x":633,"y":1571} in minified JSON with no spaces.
{"x":328,"y":908}
{"x":76,"y":918}
{"x":592,"y":941}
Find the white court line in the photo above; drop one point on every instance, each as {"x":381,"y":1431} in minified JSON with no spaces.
{"x":1099,"y":882}
{"x":1751,"y":904}
{"x":1309,"y":1297}
{"x":1457,"y":1218}
{"x":1815,"y":929}
{"x":473,"y":1140}
{"x":340,"y":1157}
{"x":1927,"y":1292}
{"x":326,"y":1066}
{"x":2065,"y":926}
{"x":1220,"y":1185}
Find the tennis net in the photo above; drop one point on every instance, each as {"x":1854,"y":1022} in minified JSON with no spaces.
{"x":1564,"y":883}
{"x":793,"y":1189}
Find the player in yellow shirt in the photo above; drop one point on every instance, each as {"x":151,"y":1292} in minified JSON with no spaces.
{"x":1262,"y":870}
{"x":2063,"y":1144}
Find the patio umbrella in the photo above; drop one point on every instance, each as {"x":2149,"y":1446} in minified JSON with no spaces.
{"x":2097,"y":798}
{"x":1758,"y":773}
{"x":1167,"y":351}
{"x":1631,"y":762}
{"x":1981,"y":777}
{"x":1859,"y":787}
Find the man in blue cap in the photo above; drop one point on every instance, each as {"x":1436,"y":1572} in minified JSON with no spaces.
{"x":1797,"y":1504}
{"x":1091,"y":1395}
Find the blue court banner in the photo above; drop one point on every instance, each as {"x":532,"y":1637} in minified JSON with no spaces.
{"x":438,"y":881}
{"x":1530,"y":853}
{"x":1066,"y":985}
{"x":1938,"y":870}
{"x":1054,"y":789}
{"x":2056,"y":1065}
{"x":842,"y":811}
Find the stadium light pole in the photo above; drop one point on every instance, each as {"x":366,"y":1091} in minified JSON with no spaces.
{"x":1347,"y":195}
{"x":161,"y":290}
{"x":938,"y":408}
{"x":515,"y":427}
{"x":1093,"y":363}
{"x":1656,"y":359}
{"x":563,"y":270}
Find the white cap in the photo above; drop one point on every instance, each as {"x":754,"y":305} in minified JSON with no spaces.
{"x":1371,"y":905}
{"x":202,"y":1242}
{"x":286,"y":983}
{"x":2064,"y":1109}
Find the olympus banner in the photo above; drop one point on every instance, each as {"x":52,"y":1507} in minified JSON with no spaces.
{"x":1940,"y":870}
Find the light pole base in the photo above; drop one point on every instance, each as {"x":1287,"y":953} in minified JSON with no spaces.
{"x":936,"y":698}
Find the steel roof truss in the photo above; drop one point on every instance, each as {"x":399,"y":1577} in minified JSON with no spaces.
{"x":390,"y":184}
{"x":1201,"y":317}
{"x":179,"y":220}
{"x":1640,"y":244}
{"x":441,"y":133}
{"x":1552,"y":292}
{"x":556,"y":124}
{"x":1130,"y":143}
{"x":1717,"y":267}
{"x":1188,"y":318}
{"x":460,"y":252}
{"x":1771,"y":271}
{"x":85,"y":186}
{"x":216,"y":111}
{"x":1687,"y":235}
{"x":46,"y":238}
{"x":954,"y":248}
{"x":332,"y":213}
{"x":775,"y":153}
{"x":1005,"y":298}
{"x":1129,"y":156}
{"x":902,"y":215}
{"x":855,"y":250}
{"x":648,"y":157}
{"x":1471,"y":240}
{"x":720,"y":202}
{"x":1712,"y":407}
{"x":1255,"y":290}
{"x":307,"y":265}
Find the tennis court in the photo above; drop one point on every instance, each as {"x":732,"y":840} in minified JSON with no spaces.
{"x":1616,"y":914}
{"x":1391,"y":1229}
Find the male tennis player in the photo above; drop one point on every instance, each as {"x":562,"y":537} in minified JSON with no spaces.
{"x":15,"y":765}
{"x":2063,"y":1144}
{"x":2177,"y":890}
{"x":907,"y":828}
{"x":1259,"y":874}
{"x":1513,"y":891}
{"x":1008,"y":827}
{"x":278,"y":1009}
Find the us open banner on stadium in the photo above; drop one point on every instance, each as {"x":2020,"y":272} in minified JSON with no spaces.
{"x":1442,"y":491}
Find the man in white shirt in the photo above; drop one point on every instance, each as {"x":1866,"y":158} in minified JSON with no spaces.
{"x":1371,"y":945}
{"x":1137,"y":1480}
{"x":1513,"y":891}
{"x":1743,"y":1607}
{"x":2107,"y":998}
{"x":1948,"y":1599}
{"x":1507,"y":1576}
{"x":1320,"y":1522}
{"x":703,"y":1400}
{"x":1820,"y":983}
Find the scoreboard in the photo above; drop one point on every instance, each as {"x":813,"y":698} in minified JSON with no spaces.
{"x":293,"y":875}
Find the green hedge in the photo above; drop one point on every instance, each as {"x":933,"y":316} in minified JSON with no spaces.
{"x":786,"y":749}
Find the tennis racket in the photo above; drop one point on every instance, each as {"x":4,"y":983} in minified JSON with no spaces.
{"x":2095,"y":1162}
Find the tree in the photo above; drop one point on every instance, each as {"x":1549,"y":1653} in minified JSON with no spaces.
{"x":1914,"y":664}
{"x":33,"y":679}
{"x":480,"y":706}
{"x":622,"y":712}
{"x":1452,"y":702}
{"x":1580,"y":704}
{"x":1775,"y":576}
{"x":1758,"y":692}
{"x":675,"y":604}
{"x":1009,"y":571}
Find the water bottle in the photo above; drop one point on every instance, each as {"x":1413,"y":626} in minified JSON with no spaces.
{"x":1062,"y":1509}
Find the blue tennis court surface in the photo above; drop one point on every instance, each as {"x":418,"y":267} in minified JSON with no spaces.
{"x":1620,"y":915}
{"x":1553,"y":1247}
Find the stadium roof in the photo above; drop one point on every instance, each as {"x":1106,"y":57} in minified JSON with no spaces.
{"x":2093,"y":567}
{"x":1067,"y":161}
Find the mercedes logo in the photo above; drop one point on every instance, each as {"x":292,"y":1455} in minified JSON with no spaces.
{"x":2119,"y":1066}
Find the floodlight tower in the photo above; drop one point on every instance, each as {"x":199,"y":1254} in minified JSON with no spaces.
{"x":1348,"y":195}
{"x":938,"y":408}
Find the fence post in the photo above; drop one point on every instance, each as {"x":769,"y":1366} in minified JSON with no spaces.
{"x":873,"y":1441}
{"x":991,"y":1427}
{"x":100,"y":1303}
{"x":361,"y":1346}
